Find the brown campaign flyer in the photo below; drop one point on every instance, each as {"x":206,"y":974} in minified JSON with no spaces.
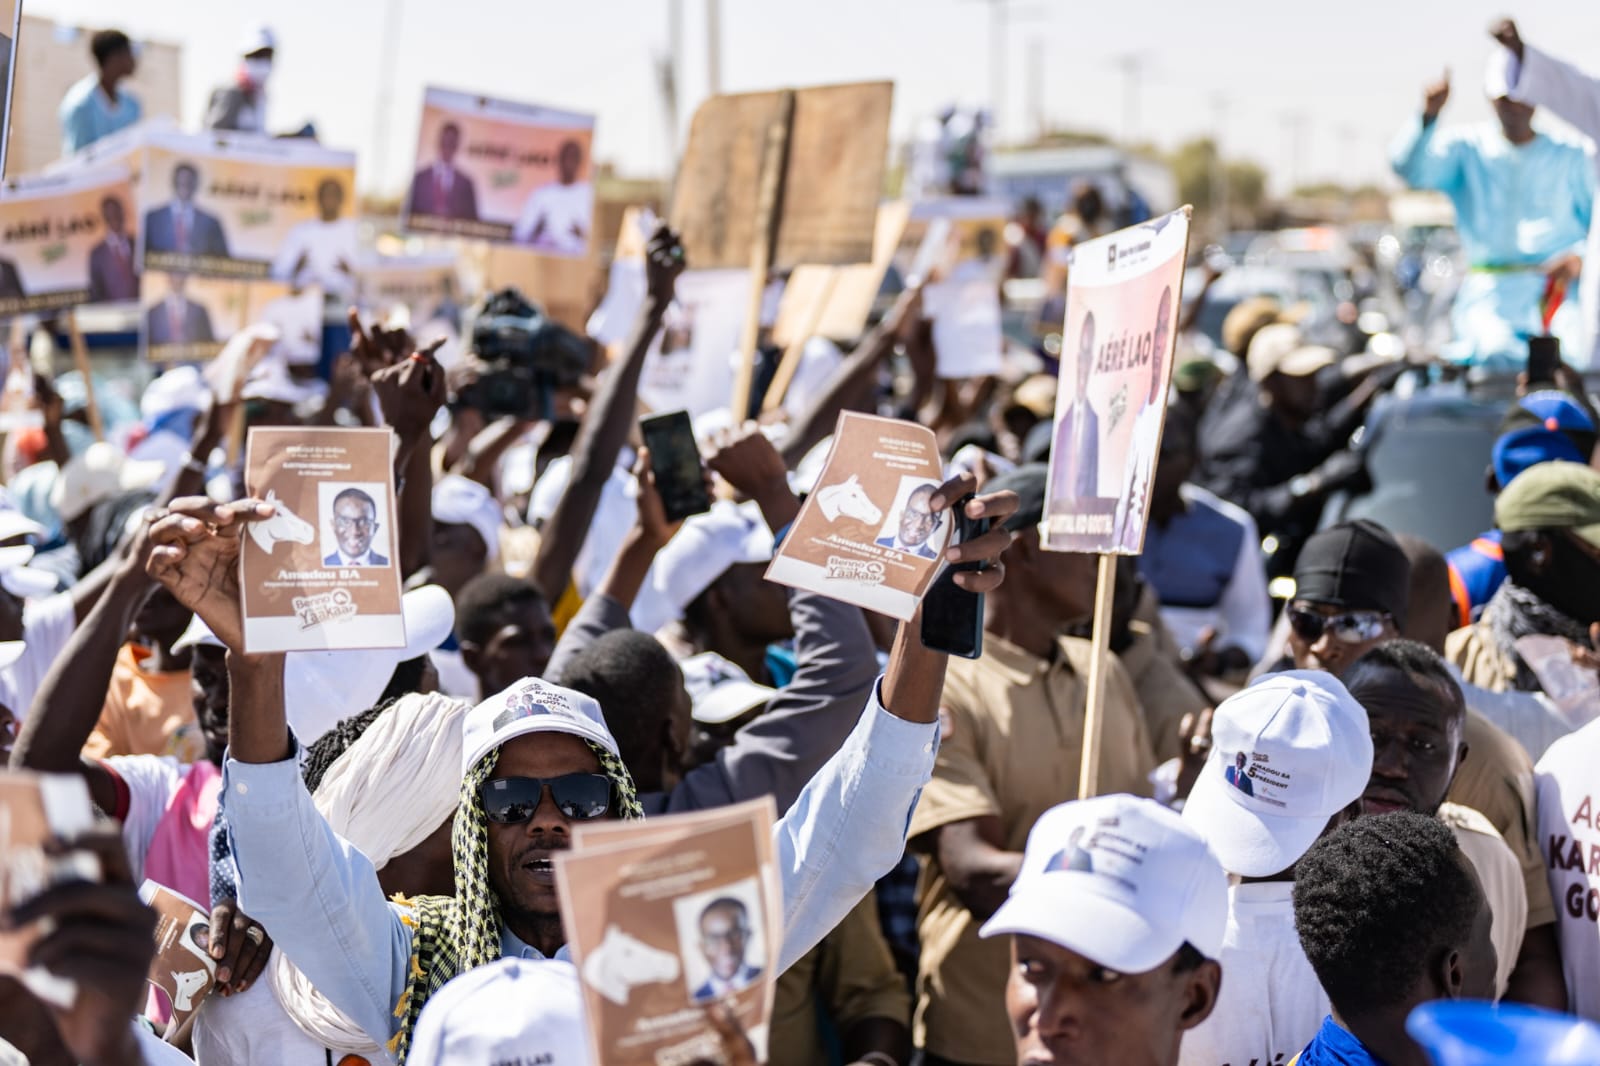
{"x":503,"y":171}
{"x":321,"y":574}
{"x":1124,"y":295}
{"x":66,"y":240}
{"x":667,"y":918}
{"x":241,"y":206}
{"x":188,"y":319}
{"x":34,"y":808}
{"x":867,"y":534}
{"x":183,"y":970}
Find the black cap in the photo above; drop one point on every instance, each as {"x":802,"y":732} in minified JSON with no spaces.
{"x":1356,"y":565}
{"x":1027,"y":481}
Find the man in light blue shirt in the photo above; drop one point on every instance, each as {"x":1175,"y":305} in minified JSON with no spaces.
{"x":1523,"y":204}
{"x":537,"y":759}
{"x":94,"y":107}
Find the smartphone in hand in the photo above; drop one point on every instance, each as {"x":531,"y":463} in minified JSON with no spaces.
{"x":675,"y":460}
{"x":952,"y":617}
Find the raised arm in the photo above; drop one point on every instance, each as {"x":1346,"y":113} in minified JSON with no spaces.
{"x":605,"y":428}
{"x":296,"y":877}
{"x":1541,"y":80}
{"x":69,"y":702}
{"x":1418,"y":156}
{"x":410,"y":392}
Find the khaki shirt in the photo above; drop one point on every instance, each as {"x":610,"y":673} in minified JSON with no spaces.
{"x":1011,"y":744}
{"x":1496,"y":779}
{"x":1501,"y":877}
{"x":848,"y":978}
{"x":1164,"y":691}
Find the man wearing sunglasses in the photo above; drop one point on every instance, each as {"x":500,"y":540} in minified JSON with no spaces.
{"x":536,"y":759}
{"x":1352,"y":593}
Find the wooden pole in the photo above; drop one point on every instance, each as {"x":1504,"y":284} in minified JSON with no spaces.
{"x":1094,"y":709}
{"x":80,"y":359}
{"x":789,"y":365}
{"x":773,"y":163}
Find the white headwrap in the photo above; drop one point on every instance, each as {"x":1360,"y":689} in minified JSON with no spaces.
{"x":385,"y":795}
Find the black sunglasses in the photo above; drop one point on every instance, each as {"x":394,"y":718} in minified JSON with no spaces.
{"x":1351,"y":627}
{"x":513,"y":800}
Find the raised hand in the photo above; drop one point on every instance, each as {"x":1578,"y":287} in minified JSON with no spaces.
{"x":1505,"y":31}
{"x":195,"y":554}
{"x":375,"y":347}
{"x":411,"y":392}
{"x":1434,"y":97}
{"x":663,"y":262}
{"x":653,"y":525}
{"x":987,"y":549}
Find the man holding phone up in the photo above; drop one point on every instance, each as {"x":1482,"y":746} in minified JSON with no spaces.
{"x":1011,"y":741}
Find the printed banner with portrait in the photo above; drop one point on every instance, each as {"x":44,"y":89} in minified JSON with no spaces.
{"x":1124,"y":295}
{"x":187,"y":319}
{"x":67,"y":240}
{"x":503,"y":171}
{"x":323,"y":573}
{"x":236,"y":206}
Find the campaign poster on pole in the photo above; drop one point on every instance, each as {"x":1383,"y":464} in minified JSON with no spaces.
{"x":1124,"y":294}
{"x":187,"y":319}
{"x":666,"y":918}
{"x":503,"y":171}
{"x":867,"y":534}
{"x":67,"y":240}
{"x":243,"y":206}
{"x":323,"y":573}
{"x":425,"y":285}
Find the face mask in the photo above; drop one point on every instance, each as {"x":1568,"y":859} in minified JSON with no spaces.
{"x":258,"y":70}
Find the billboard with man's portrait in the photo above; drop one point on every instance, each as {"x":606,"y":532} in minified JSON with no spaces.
{"x":67,"y":240}
{"x":503,"y":171}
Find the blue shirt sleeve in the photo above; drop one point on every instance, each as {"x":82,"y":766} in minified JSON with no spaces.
{"x":1424,"y":160}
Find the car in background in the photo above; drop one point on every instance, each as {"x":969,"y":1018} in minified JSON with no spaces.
{"x":1427,"y":453}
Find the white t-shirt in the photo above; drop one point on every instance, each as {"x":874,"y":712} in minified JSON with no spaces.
{"x":47,"y":625}
{"x":567,"y":212}
{"x":156,"y":1051}
{"x":151,"y":781}
{"x":325,"y":245}
{"x":1500,"y":874}
{"x":1271,"y":1003}
{"x":1569,"y":829}
{"x":252,"y":1027}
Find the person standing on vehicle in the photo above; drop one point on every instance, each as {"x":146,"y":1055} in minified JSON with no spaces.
{"x":1540,"y":80}
{"x":1523,"y":203}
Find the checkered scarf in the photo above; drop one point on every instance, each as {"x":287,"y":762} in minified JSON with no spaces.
{"x":453,"y":934}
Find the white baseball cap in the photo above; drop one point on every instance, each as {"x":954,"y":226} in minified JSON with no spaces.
{"x":460,"y":501}
{"x":1121,"y":881}
{"x":703,"y":549}
{"x":99,"y":473}
{"x":322,"y":688}
{"x":1498,"y":76}
{"x":20,"y":579}
{"x":532,"y":705}
{"x":1281,"y":349}
{"x":13,"y":523}
{"x":720,"y":690}
{"x":512,"y":1010}
{"x":180,"y":389}
{"x":1306,"y":755}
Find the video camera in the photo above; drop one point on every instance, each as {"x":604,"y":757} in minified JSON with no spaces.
{"x":526,"y":354}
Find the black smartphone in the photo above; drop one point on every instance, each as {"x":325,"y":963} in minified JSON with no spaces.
{"x":1544,"y":357}
{"x":675,"y":458}
{"x":952,"y":617}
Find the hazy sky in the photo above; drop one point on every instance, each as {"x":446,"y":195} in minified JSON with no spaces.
{"x":1351,"y":69}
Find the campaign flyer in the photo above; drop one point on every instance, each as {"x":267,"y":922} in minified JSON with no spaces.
{"x":666,"y":918}
{"x":1124,"y":296}
{"x":867,"y":534}
{"x":322,"y":574}
{"x":503,"y":171}
{"x":183,"y":970}
{"x":34,"y":808}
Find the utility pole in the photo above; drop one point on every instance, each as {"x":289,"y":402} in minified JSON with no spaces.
{"x":1294,"y":125}
{"x":713,"y":47}
{"x":1132,"y":65}
{"x":1036,"y":116}
{"x":387,"y":62}
{"x":1219,"y":165}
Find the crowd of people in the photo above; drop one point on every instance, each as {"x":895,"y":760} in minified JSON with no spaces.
{"x":1313,"y":816}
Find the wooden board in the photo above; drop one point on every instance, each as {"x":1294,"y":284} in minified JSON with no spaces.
{"x":837,"y":151}
{"x":848,"y":292}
